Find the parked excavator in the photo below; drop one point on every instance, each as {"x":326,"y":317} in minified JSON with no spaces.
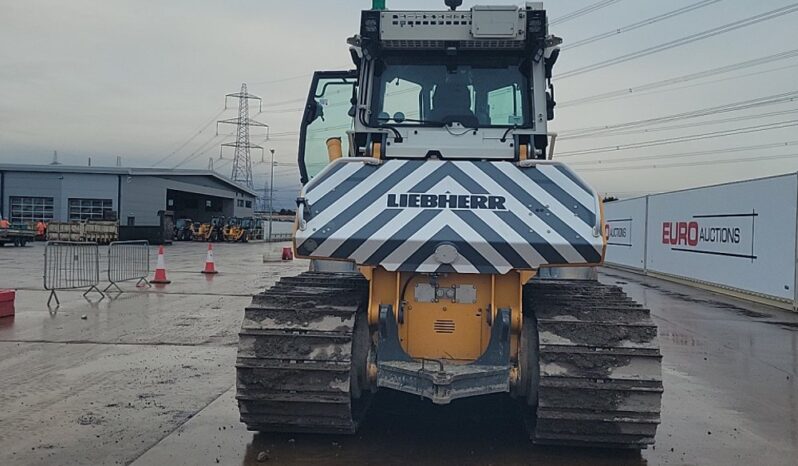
{"x":451,"y":257}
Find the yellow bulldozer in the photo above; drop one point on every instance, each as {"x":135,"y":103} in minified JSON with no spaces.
{"x":451,"y":257}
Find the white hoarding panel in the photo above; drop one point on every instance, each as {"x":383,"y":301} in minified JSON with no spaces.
{"x":279,"y":228}
{"x":625,"y":229}
{"x":739,"y":235}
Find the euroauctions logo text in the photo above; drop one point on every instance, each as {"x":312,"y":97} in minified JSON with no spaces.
{"x":692,"y":234}
{"x":724,"y":234}
{"x":618,"y":232}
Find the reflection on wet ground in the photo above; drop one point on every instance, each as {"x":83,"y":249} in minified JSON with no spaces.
{"x":147,"y":378}
{"x":402,"y":429}
{"x":729,"y":372}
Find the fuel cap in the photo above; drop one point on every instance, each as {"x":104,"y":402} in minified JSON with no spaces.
{"x":446,"y":253}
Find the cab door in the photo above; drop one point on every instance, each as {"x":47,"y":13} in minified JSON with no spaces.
{"x":329,"y":113}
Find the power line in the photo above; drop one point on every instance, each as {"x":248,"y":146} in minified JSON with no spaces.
{"x":773,"y":99}
{"x":299,"y":76}
{"x":640,"y":24}
{"x":195,"y":155}
{"x":213,"y":146}
{"x":685,"y":126}
{"x":680,"y":79}
{"x":314,"y":131}
{"x":696,"y":164}
{"x":201,"y":150}
{"x":614,"y":160}
{"x":777,"y":13}
{"x":284,"y":102}
{"x":582,"y":11}
{"x":200,"y":147}
{"x":758,"y":74}
{"x":188,"y":141}
{"x":304,"y":99}
{"x":284,"y":110}
{"x":280,"y":80}
{"x":675,"y":140}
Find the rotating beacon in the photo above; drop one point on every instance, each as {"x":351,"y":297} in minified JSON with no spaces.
{"x":441,"y":233}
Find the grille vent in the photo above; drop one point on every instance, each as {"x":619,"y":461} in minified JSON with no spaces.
{"x":439,"y":44}
{"x":444,"y":326}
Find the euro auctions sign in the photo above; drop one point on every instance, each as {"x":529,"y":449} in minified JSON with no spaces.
{"x":618,"y":232}
{"x":740,"y":235}
{"x":625,"y":232}
{"x":730,"y":234}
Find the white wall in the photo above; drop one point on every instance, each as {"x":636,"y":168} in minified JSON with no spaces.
{"x":738,"y":235}
{"x":625,"y":229}
{"x":278,"y":228}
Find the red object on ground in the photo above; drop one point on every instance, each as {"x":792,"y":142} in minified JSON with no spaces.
{"x":160,"y":270}
{"x":288,"y":254}
{"x":7,"y":302}
{"x":210,"y":266}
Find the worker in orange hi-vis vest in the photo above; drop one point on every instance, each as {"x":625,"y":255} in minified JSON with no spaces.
{"x":40,"y":229}
{"x":3,"y":223}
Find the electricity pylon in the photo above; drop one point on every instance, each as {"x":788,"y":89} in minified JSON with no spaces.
{"x":242,"y":162}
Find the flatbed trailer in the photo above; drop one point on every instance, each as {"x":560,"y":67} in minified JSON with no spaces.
{"x":18,"y":236}
{"x":101,"y":232}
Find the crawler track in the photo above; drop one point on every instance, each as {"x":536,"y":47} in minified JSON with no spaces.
{"x":299,"y":355}
{"x":600,"y":377}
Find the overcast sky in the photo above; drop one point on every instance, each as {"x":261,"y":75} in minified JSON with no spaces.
{"x":138,"y":78}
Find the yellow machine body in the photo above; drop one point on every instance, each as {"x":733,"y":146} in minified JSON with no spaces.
{"x":234,"y":233}
{"x":203,"y":233}
{"x":443,"y":328}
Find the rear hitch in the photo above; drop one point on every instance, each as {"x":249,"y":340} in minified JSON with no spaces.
{"x":448,"y":381}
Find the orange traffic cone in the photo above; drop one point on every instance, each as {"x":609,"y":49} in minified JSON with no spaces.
{"x":160,"y":270}
{"x":288,"y":254}
{"x":210,"y":266}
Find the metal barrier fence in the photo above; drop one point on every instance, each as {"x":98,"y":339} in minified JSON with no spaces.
{"x":69,"y":266}
{"x":128,"y":260}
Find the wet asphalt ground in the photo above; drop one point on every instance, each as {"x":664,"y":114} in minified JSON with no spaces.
{"x":146,"y":377}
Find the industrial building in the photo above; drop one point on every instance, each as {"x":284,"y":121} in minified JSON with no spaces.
{"x":138,"y":197}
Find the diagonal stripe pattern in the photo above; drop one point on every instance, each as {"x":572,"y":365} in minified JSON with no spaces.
{"x":498,"y":216}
